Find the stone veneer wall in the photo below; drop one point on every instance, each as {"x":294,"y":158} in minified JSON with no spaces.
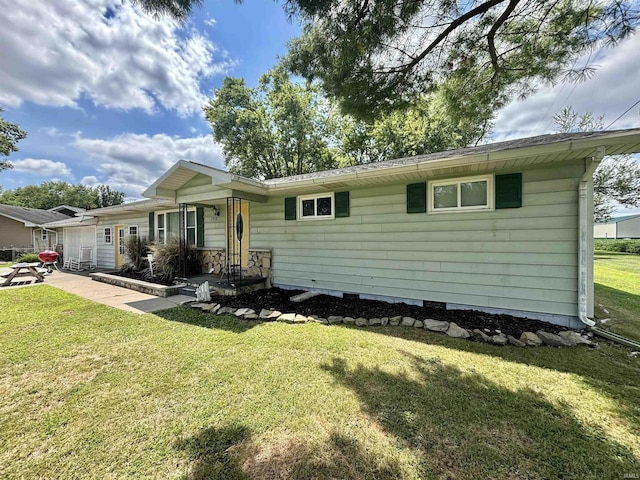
{"x":213,"y":260}
{"x":259,"y":264}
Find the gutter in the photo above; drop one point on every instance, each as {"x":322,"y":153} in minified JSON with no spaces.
{"x":585,"y":237}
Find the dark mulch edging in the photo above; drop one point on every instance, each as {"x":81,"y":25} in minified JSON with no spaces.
{"x":326,"y":305}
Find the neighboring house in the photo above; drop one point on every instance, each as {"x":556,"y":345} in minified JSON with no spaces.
{"x":22,"y":227}
{"x":621,"y":227}
{"x":67,"y":210}
{"x":504,"y":227}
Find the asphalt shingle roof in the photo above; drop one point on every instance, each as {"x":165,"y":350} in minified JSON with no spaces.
{"x":30,"y":215}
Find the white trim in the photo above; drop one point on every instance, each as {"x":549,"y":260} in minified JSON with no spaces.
{"x":110,"y":235}
{"x":315,"y":197}
{"x":490,"y":205}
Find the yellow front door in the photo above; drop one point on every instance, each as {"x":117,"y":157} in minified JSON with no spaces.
{"x":235,"y":246}
{"x":119,"y":244}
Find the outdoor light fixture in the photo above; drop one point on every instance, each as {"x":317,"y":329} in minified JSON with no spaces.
{"x":216,"y":212}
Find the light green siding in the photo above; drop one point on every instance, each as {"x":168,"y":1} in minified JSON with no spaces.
{"x":214,"y":229}
{"x":106,"y":252}
{"x":522,"y":258}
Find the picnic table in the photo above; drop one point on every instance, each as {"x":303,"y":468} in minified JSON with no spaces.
{"x":21,"y":269}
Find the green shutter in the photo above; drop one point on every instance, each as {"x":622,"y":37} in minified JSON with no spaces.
{"x":152,"y":226}
{"x":509,"y":190}
{"x":342,"y":204}
{"x":417,"y":198}
{"x":200,"y":227}
{"x":290,"y":208}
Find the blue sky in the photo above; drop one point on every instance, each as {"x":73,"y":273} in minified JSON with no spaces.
{"x":110,"y":95}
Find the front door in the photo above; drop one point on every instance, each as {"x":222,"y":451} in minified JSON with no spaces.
{"x":119,"y":244}
{"x":238,"y":231}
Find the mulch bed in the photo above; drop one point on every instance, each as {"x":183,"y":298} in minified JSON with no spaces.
{"x":326,"y":305}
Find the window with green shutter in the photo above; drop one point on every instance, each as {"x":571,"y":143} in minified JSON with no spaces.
{"x":152,"y":228}
{"x":509,"y":190}
{"x":342,"y":204}
{"x":200,"y":227}
{"x":290,"y":208}
{"x":417,"y":198}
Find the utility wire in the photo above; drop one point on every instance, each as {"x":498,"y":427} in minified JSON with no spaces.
{"x":625,"y":112}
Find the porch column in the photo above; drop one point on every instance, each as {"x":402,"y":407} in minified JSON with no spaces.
{"x":182,"y":239}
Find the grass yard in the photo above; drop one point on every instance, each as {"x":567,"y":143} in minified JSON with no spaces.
{"x":617,"y":288}
{"x":93,"y":392}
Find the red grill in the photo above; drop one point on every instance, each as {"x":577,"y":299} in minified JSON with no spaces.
{"x":48,"y":256}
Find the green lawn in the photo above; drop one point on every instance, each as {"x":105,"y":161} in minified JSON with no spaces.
{"x":93,"y":392}
{"x":617,"y":287}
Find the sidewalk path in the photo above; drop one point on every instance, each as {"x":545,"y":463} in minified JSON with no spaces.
{"x":81,"y":284}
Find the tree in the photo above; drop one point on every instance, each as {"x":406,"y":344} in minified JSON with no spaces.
{"x":10,"y":135}
{"x":50,"y":194}
{"x":429,"y":125}
{"x":105,"y":197}
{"x":283,"y":128}
{"x":617,"y":179}
{"x":377,"y":55}
{"x":275,"y":130}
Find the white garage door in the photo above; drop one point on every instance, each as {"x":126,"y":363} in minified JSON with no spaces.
{"x":76,"y":237}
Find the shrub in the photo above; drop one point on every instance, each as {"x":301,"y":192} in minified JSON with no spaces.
{"x":613,"y":245}
{"x":167,"y":260}
{"x":137,"y":249}
{"x":28,"y":258}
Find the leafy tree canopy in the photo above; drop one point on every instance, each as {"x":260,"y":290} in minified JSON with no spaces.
{"x":283,"y":128}
{"x":50,"y":194}
{"x":10,"y":135}
{"x":274,"y":130}
{"x":428,"y":125}
{"x":378,"y":55}
{"x":617,"y":179}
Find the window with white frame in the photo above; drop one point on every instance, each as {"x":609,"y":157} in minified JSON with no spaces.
{"x":108,"y":235}
{"x":44,"y":235}
{"x":160,"y":228}
{"x":318,"y":206}
{"x":461,"y":194}
{"x":133,"y":230}
{"x":191,"y":227}
{"x":168,"y":226}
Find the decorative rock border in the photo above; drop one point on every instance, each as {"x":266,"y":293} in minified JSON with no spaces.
{"x":568,"y":338}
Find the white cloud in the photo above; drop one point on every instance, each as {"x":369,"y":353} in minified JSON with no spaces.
{"x":51,"y":131}
{"x":210,"y":22}
{"x":612,"y":90}
{"x":41,"y":167}
{"x":131,"y":162}
{"x":53,"y":53}
{"x":90,"y":181}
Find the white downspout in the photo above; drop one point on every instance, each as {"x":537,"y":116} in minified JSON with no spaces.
{"x":585,"y":236}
